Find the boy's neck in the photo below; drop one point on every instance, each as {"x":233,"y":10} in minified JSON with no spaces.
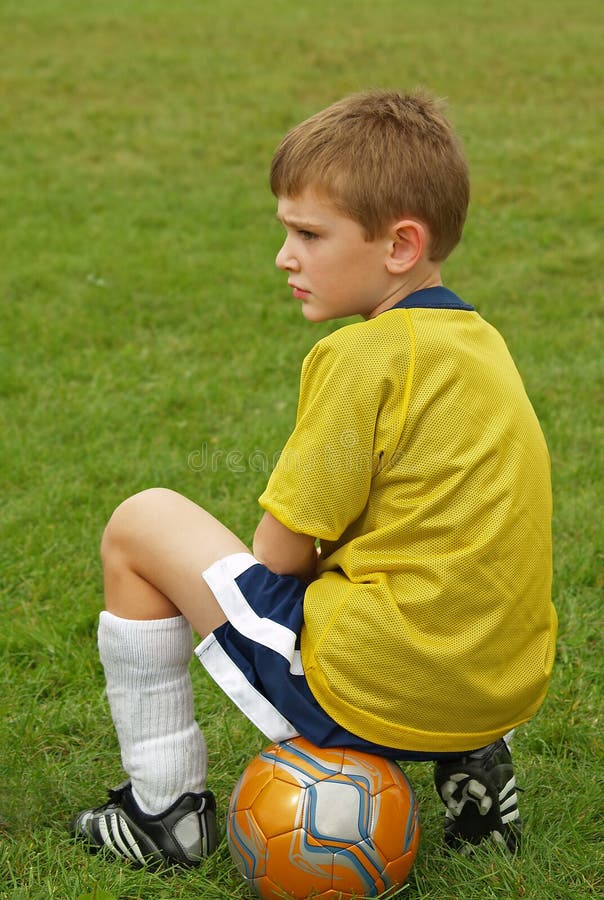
{"x":415,"y":281}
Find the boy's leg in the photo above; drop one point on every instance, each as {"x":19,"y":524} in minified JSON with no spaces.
{"x":154,"y":550}
{"x":479,"y":791}
{"x":155,"y":547}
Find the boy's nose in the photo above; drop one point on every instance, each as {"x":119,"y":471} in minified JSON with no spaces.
{"x":284,"y":259}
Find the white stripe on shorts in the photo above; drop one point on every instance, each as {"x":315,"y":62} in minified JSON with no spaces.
{"x":220,"y":578}
{"x":233,"y":682}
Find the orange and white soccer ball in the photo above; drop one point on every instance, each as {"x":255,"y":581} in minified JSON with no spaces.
{"x":329,"y":824}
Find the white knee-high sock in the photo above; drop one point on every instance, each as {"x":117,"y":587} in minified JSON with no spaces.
{"x":151,"y":700}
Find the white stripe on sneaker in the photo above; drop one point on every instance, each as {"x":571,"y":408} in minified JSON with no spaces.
{"x":135,"y":849}
{"x":105,"y":827}
{"x":116,"y":837}
{"x":509,"y":803}
{"x":510,"y":817}
{"x":509,"y":786}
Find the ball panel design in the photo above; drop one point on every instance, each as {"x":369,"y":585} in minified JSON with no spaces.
{"x":294,"y":853}
{"x":375,"y":772}
{"x":247,"y":845}
{"x":297,"y":761}
{"x":258,"y":774}
{"x":277,"y":807}
{"x":395,"y":805}
{"x":336,"y":808}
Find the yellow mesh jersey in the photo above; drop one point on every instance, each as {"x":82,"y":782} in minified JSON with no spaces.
{"x":418,"y":461}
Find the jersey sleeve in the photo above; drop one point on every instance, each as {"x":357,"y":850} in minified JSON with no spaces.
{"x":322,"y":479}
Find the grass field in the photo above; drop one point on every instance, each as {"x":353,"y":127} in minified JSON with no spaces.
{"x":145,"y":335}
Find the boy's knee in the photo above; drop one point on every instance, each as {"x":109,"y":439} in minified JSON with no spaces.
{"x":128,"y":518}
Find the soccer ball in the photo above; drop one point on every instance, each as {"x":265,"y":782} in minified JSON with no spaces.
{"x":330,"y":824}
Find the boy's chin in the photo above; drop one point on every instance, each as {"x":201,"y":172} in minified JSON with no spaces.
{"x":314,"y":315}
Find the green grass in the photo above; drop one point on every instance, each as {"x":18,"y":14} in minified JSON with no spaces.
{"x":142,"y":321}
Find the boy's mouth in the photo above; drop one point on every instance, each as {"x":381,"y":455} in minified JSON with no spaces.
{"x":298,"y":292}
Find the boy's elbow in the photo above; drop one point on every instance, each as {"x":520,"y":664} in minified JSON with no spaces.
{"x":272,"y":556}
{"x":266,"y":551}
{"x":262,"y":552}
{"x":282,"y":551}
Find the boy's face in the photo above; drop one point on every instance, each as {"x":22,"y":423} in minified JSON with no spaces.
{"x":332,"y":269}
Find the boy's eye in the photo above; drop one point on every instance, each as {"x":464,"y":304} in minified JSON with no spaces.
{"x":307,"y":235}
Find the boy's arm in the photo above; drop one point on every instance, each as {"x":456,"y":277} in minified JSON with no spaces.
{"x":283,"y":551}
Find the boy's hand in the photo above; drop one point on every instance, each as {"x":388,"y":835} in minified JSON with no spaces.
{"x":283,"y":551}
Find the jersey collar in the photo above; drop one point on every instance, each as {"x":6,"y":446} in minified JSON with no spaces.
{"x":432,"y":298}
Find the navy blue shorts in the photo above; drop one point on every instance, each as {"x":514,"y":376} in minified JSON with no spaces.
{"x":255,"y":657}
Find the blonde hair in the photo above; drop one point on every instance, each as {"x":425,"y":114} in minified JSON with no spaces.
{"x":380,"y":156}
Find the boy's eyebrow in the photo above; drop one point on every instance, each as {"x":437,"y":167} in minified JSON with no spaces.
{"x":294,"y":222}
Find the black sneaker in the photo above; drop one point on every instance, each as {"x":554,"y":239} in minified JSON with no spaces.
{"x":479,"y":791}
{"x":180,"y":836}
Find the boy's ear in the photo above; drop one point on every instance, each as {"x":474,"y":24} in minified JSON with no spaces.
{"x":408,"y":241}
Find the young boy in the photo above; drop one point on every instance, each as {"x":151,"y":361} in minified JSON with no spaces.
{"x":423,"y":628}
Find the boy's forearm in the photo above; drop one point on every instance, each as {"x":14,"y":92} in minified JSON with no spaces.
{"x":283,"y":551}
